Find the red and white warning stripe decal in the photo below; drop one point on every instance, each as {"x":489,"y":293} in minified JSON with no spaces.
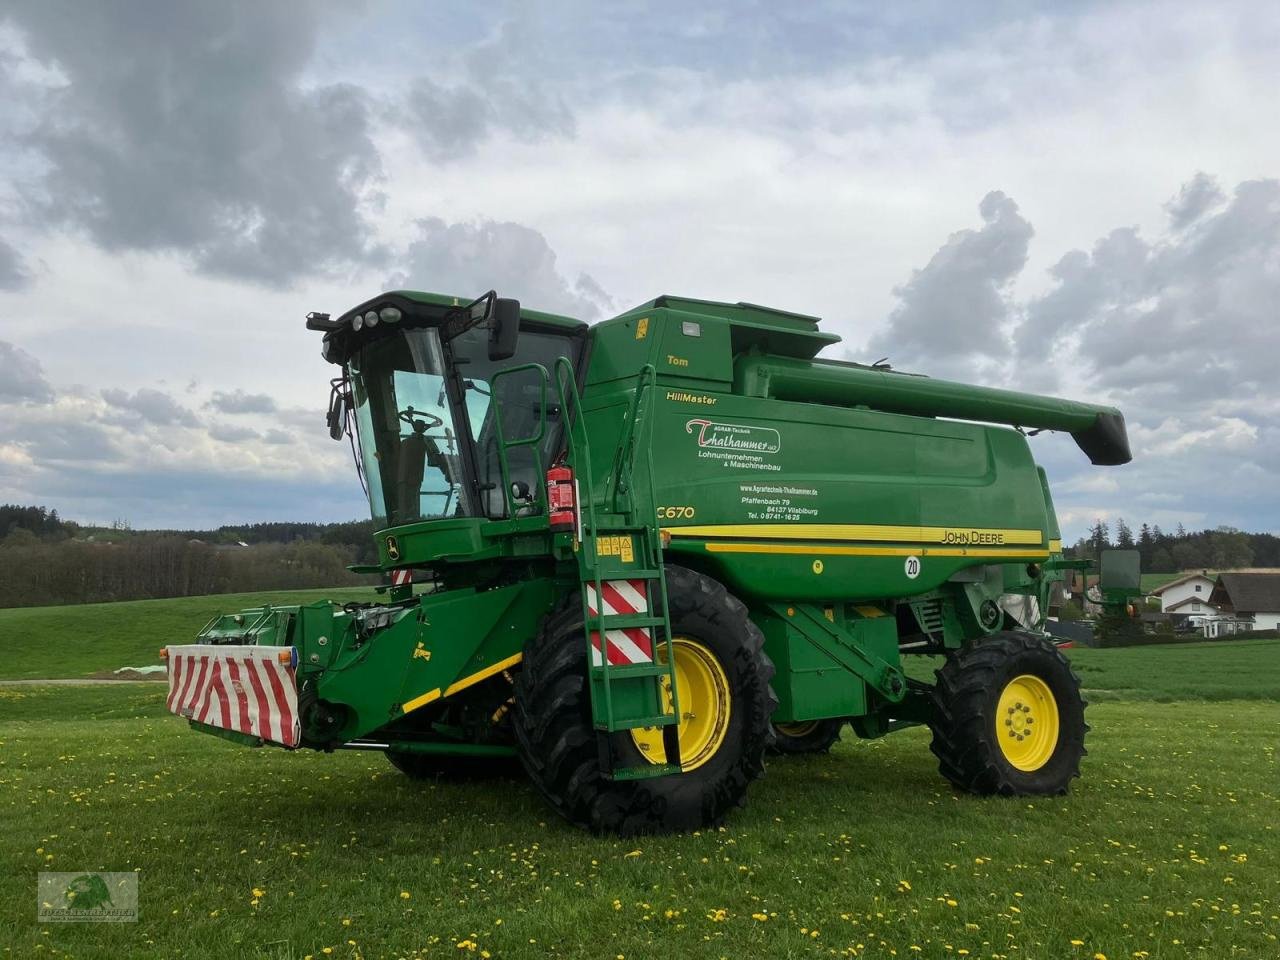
{"x":401,"y":578}
{"x":621,"y":598}
{"x":242,"y":688}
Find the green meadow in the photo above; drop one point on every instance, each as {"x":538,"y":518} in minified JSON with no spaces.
{"x":1166,"y":847}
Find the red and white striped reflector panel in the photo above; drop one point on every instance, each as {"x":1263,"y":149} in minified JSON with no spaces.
{"x":621,"y":598}
{"x":242,"y":688}
{"x":401,"y":578}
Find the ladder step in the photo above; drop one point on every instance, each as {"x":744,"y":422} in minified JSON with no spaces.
{"x":625,"y":621}
{"x":625,"y":671}
{"x":646,"y":772}
{"x":661,"y":720}
{"x":626,"y":573}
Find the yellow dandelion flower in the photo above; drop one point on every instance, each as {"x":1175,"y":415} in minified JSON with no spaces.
{"x":762,"y":917}
{"x":404,"y":894}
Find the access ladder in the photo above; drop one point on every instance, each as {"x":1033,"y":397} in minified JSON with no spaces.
{"x":631,"y":663}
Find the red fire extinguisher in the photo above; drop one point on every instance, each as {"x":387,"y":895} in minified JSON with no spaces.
{"x":560,"y":499}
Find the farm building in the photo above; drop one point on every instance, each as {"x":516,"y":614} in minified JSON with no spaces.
{"x":1247,"y":600}
{"x":1187,"y":595}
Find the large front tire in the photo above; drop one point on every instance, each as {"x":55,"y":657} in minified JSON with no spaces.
{"x":557,"y":743}
{"x":1008,"y":717}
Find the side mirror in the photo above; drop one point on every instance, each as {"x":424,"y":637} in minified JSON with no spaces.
{"x":504,"y":329}
{"x":336,"y":418}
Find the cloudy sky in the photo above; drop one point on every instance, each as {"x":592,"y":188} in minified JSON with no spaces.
{"x":1075,"y":198}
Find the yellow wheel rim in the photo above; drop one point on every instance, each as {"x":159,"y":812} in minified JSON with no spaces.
{"x":1027,"y":722}
{"x":703,"y":688}
{"x":802,"y":729}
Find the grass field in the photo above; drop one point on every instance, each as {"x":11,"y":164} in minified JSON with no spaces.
{"x":1152,"y":580}
{"x":1167,"y":847}
{"x":81,"y":641}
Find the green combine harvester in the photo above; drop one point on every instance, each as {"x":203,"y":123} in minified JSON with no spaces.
{"x":642,"y":555}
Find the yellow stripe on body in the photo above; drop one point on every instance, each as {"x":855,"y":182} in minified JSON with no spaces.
{"x":853,"y":531}
{"x":433,"y":695}
{"x":484,"y":674}
{"x":422,"y":701}
{"x":1035,"y":553}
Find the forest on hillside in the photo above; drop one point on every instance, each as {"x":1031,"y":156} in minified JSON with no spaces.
{"x":1222,"y":548}
{"x":45,"y":560}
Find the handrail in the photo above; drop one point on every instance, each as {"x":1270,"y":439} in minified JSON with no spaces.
{"x":621,"y":480}
{"x":579,"y":448}
{"x":576,"y":433}
{"x":649,"y":380}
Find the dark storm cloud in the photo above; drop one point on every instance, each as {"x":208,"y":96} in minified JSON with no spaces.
{"x":152,"y":406}
{"x":497,"y":84}
{"x":449,"y":122}
{"x":1168,"y":324}
{"x":462,"y":258}
{"x":13,"y":273}
{"x":1180,"y":332}
{"x":237,"y":401}
{"x":953,"y":311}
{"x":185,"y":127}
{"x":21,"y":376}
{"x":1187,"y":319}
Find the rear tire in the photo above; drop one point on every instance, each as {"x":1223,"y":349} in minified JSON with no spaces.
{"x":1008,"y":717}
{"x":811,"y":736}
{"x":557,"y":742}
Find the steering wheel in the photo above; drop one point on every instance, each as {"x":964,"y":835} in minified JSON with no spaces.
{"x":410,"y":415}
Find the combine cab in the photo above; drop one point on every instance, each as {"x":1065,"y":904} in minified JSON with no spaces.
{"x":641,"y":555}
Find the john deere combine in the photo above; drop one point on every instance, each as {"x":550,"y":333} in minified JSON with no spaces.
{"x":640,"y":555}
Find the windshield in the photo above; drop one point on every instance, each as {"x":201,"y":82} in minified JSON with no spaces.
{"x":414,"y":454}
{"x":409,"y":445}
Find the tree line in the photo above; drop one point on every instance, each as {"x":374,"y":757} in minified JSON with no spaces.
{"x":45,"y":560}
{"x":1221,"y":548}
